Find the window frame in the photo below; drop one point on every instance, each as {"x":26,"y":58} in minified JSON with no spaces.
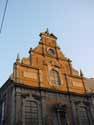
{"x":55,"y":77}
{"x":3,"y":112}
{"x":82,"y":114}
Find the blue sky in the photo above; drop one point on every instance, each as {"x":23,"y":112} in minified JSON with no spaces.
{"x":72,"y":21}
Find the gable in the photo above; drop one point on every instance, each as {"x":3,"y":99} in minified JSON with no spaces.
{"x":35,"y":70}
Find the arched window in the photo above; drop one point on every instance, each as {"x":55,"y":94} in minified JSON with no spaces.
{"x":30,"y":112}
{"x":54,"y":77}
{"x":83,"y":116}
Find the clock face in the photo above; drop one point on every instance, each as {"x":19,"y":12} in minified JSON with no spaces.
{"x":51,"y":52}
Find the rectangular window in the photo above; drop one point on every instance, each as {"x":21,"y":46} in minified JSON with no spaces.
{"x":3,"y":113}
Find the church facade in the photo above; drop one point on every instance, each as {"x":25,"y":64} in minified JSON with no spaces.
{"x":45,"y":89}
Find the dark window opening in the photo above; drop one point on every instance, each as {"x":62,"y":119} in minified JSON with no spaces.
{"x":61,"y":115}
{"x":31,"y":113}
{"x":51,"y":52}
{"x":83,"y":116}
{"x":3,"y":113}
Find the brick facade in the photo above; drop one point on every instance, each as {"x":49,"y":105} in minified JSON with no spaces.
{"x":45,"y":89}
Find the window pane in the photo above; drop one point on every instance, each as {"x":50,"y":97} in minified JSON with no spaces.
{"x":31,"y":113}
{"x":83,"y":116}
{"x":54,"y":77}
{"x":3,"y":113}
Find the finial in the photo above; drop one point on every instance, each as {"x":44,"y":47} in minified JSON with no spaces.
{"x":18,"y":58}
{"x":30,"y":50}
{"x":47,"y":31}
{"x":81,"y":73}
{"x":69,"y":60}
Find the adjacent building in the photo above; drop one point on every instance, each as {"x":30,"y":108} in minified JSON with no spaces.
{"x":45,"y":89}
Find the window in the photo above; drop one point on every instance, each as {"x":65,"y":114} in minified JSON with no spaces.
{"x":83,"y":116}
{"x":61,"y":115}
{"x":51,"y":52}
{"x":30,"y":113}
{"x":54,"y":77}
{"x":3,"y":113}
